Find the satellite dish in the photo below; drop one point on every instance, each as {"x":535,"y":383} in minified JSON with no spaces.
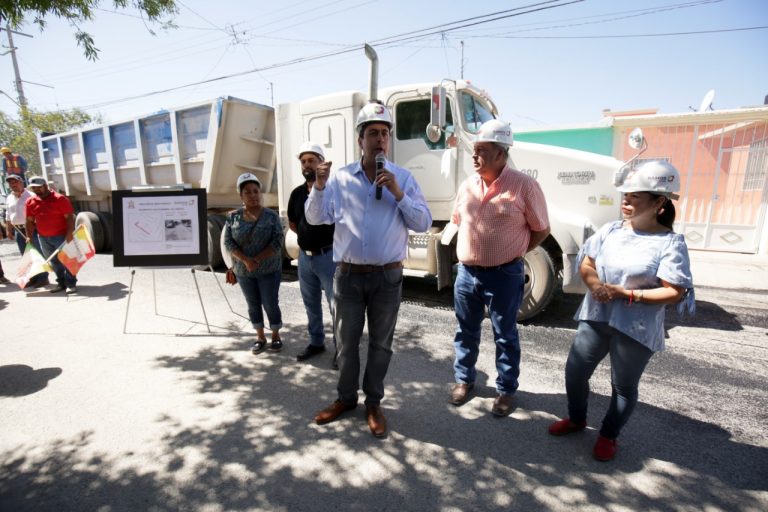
{"x":706,"y":101}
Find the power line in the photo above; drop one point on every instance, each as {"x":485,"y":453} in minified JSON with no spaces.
{"x":622,"y":36}
{"x":619,"y":15}
{"x":385,"y":42}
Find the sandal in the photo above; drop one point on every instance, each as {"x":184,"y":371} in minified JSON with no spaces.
{"x":276,"y":345}
{"x":258,"y":346}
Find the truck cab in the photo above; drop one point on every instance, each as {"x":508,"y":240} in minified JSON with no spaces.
{"x":433,"y":137}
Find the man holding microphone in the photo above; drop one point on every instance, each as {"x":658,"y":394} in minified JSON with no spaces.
{"x":372,"y":206}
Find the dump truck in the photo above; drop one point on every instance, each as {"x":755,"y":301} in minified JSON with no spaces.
{"x":207,"y":145}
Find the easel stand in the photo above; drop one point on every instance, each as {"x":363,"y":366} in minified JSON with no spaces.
{"x":154,"y":295}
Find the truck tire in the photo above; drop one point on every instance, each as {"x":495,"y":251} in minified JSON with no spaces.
{"x":540,"y":283}
{"x":105,"y":218}
{"x":226,"y":256}
{"x":214,"y":244}
{"x":92,"y":223}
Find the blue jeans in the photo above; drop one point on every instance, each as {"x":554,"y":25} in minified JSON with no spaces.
{"x":21,"y":242}
{"x":49,"y":244}
{"x":357,"y":295}
{"x":316,"y":278}
{"x":262,"y":291}
{"x":501,"y":290}
{"x":628,"y":361}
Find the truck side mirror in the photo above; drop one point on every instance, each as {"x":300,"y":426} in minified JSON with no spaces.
{"x":636,"y":139}
{"x":437,"y":114}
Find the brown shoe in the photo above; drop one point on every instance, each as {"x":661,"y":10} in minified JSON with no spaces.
{"x":376,"y":420}
{"x":503,"y":405}
{"x":460,"y":393}
{"x":333,"y":411}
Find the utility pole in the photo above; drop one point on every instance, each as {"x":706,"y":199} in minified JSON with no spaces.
{"x":462,"y":60}
{"x":19,"y":87}
{"x":272,"y":94}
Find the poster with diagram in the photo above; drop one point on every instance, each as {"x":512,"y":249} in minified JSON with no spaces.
{"x":163,"y":228}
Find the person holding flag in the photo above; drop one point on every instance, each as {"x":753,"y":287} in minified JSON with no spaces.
{"x":51,"y":216}
{"x":15,"y":220}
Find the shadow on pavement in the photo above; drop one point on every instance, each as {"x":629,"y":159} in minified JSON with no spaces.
{"x":22,"y":380}
{"x":265,"y":452}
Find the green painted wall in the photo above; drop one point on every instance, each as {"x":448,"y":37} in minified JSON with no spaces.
{"x":594,"y":140}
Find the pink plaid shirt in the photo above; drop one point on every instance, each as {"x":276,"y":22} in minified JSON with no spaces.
{"x":495,"y":224}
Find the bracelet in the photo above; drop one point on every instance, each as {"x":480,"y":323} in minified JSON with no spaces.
{"x":631,"y":296}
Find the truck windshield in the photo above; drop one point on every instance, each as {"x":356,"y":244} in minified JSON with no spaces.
{"x":475,"y":112}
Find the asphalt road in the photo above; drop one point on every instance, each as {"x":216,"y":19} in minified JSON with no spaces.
{"x":167,"y":416}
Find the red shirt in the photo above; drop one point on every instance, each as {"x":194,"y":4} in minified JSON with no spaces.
{"x":49,"y":213}
{"x":495,"y":223}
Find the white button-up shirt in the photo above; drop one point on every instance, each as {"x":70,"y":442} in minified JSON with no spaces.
{"x":368,"y":231}
{"x":14,"y":207}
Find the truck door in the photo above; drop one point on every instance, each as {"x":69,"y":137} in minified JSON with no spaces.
{"x":411,"y":149}
{"x":330,"y":131}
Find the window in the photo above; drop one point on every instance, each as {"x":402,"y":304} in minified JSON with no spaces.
{"x":757,"y":166}
{"x":475,"y":112}
{"x":412,"y":118}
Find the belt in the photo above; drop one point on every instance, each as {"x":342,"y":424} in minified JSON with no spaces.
{"x":319,"y":251}
{"x":495,"y":267}
{"x":366,"y":269}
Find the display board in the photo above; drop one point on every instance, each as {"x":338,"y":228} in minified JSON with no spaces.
{"x":160,"y":228}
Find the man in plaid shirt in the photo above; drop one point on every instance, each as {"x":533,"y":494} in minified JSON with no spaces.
{"x":501,"y":214}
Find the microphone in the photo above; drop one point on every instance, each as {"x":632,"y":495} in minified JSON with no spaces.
{"x":380,"y":161}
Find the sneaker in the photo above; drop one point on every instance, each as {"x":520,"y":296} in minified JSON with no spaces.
{"x":71,"y":289}
{"x":57,"y":289}
{"x":276,"y":345}
{"x":604,"y":449}
{"x":565,"y":426}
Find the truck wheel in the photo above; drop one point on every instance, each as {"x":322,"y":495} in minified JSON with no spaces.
{"x":214,"y":241}
{"x":92,"y":223}
{"x":105,"y":218}
{"x":226,"y":256}
{"x":540,"y":283}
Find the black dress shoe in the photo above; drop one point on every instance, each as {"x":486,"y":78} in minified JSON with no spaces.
{"x":310,"y":351}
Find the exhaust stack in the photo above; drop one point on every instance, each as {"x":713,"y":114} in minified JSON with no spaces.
{"x":373,"y":83}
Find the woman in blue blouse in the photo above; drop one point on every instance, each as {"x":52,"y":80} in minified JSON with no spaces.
{"x":254,"y":236}
{"x":633,"y":269}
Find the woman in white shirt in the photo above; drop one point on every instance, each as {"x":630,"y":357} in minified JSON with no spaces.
{"x":633,"y":269}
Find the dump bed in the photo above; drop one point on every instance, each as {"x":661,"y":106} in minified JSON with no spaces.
{"x":205,"y":145}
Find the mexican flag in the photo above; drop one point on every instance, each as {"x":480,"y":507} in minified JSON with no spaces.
{"x":32,"y":263}
{"x":76,"y":253}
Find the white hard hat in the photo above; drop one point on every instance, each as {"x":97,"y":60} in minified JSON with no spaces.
{"x":373,"y":113}
{"x":657,"y":177}
{"x":496,"y":131}
{"x":247,"y":178}
{"x":311,"y":147}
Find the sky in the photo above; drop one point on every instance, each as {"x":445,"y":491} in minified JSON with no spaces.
{"x":545,"y":64}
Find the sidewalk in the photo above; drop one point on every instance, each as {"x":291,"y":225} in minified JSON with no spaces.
{"x":732,"y":271}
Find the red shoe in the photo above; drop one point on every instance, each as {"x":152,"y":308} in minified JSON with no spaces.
{"x":566,"y":426}
{"x":605,"y":449}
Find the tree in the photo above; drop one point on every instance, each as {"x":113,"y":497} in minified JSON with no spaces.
{"x":21,"y":134}
{"x":15,"y":12}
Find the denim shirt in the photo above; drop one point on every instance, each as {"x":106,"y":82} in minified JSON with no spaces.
{"x":636,"y":261}
{"x":254,"y":237}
